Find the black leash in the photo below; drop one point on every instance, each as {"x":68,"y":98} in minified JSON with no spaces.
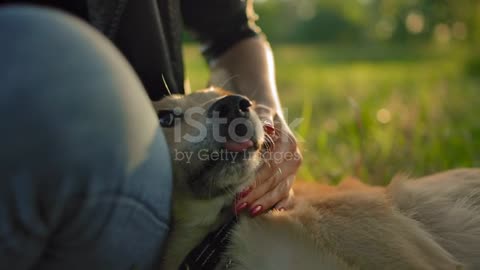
{"x":208,"y":254}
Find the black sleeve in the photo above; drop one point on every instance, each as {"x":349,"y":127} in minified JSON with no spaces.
{"x":219,"y":24}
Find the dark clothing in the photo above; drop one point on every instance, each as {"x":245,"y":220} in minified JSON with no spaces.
{"x":149,"y":32}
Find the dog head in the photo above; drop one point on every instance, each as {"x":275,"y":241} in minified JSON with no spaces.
{"x":214,"y":139}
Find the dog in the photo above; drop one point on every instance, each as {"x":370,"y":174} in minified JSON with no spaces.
{"x":427,"y":223}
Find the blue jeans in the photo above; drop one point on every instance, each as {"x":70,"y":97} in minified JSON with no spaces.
{"x":85,"y":176}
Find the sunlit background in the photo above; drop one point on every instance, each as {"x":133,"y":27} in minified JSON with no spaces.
{"x":383,"y":86}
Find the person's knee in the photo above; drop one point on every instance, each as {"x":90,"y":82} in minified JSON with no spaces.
{"x":67,"y":91}
{"x":76,"y":124}
{"x":71,"y":105}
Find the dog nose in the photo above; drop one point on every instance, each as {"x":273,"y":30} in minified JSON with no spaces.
{"x":230,"y":107}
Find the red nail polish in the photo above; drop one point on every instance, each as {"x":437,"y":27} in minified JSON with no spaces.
{"x":269,"y":129}
{"x":245,"y":192}
{"x":256,"y":210}
{"x":240,"y":207}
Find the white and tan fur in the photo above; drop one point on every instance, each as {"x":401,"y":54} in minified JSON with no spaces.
{"x":427,"y":223}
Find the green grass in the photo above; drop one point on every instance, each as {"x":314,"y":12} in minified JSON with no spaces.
{"x":430,"y":108}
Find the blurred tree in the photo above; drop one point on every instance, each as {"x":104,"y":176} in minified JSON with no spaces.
{"x":370,"y":20}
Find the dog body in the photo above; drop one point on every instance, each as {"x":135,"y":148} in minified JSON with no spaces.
{"x":408,"y":225}
{"x":427,"y":223}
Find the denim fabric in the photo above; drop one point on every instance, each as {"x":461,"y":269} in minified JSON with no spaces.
{"x":85,"y":176}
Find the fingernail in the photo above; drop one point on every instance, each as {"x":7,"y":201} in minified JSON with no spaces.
{"x":240,"y":207}
{"x":269,"y":129}
{"x":256,"y":210}
{"x":281,"y":209}
{"x":245,"y":192}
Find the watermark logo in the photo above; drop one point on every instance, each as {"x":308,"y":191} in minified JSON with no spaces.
{"x":231,"y":156}
{"x":194,"y":126}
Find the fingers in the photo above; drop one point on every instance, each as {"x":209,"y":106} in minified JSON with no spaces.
{"x":269,"y":187}
{"x":266,"y":181}
{"x":275,"y":177}
{"x":265,"y":113}
{"x":284,"y":160}
{"x":270,"y":176}
{"x":286,"y":203}
{"x":271,"y":198}
{"x":272,"y":185}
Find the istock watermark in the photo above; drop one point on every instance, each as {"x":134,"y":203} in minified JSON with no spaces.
{"x":194,"y":125}
{"x":231,"y":156}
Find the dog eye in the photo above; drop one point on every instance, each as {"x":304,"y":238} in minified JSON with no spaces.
{"x":167,"y":118}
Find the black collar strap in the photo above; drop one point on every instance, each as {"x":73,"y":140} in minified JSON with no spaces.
{"x":208,"y":253}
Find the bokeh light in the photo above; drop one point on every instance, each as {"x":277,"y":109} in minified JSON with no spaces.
{"x":384,"y":116}
{"x":415,"y":22}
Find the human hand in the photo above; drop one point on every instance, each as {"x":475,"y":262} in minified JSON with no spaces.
{"x":274,"y":178}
